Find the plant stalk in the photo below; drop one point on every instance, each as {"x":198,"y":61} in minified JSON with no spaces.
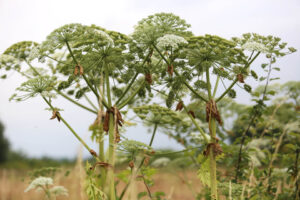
{"x":70,"y":128}
{"x":213,"y":165}
{"x":111,"y":146}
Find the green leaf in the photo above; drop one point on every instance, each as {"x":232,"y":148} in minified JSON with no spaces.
{"x":272,"y":92}
{"x":253,"y":74}
{"x":204,"y":171}
{"x":247,"y":88}
{"x":232,"y":93}
{"x":292,"y":49}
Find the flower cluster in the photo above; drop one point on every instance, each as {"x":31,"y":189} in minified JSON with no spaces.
{"x":105,"y":36}
{"x":48,"y":94}
{"x":255,"y":46}
{"x":59,"y":190}
{"x":33,"y":87}
{"x":161,"y":162}
{"x":5,"y":59}
{"x":34,"y":53}
{"x":42,"y":184}
{"x":39,"y":182}
{"x":170,"y":40}
{"x":199,"y":137}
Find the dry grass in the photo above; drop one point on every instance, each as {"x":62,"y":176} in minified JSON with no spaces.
{"x":174,"y":185}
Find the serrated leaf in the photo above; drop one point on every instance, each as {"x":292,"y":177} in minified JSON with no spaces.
{"x":204,"y":171}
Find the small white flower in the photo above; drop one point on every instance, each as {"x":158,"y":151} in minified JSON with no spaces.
{"x":255,"y":46}
{"x":7,"y":59}
{"x":32,"y":72}
{"x":39,"y":182}
{"x":48,"y":94}
{"x":170,"y":40}
{"x":199,"y":137}
{"x":161,"y":162}
{"x":105,"y":35}
{"x":34,"y":53}
{"x":59,"y":190}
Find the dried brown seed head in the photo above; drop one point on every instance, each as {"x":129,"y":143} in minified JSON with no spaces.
{"x":55,"y":114}
{"x":78,"y":70}
{"x":131,"y":164}
{"x":192,"y":113}
{"x":106,"y":122}
{"x":214,"y":147}
{"x":212,"y":111}
{"x":148,"y":78}
{"x":93,"y":153}
{"x":240,"y":78}
{"x":170,"y":70}
{"x":146,"y":161}
{"x":179,"y":106}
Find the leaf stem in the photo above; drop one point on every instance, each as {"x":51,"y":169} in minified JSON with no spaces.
{"x":177,"y":74}
{"x":83,"y":75}
{"x":112,"y":145}
{"x":125,"y":102}
{"x":70,"y":128}
{"x":62,"y":94}
{"x":216,"y":86}
{"x":236,"y":79}
{"x":132,"y":80}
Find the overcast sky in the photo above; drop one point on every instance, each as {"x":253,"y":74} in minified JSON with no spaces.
{"x":27,"y":124}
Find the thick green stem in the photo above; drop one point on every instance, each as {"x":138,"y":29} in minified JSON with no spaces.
{"x":111,"y":146}
{"x":208,"y":83}
{"x":212,"y":159}
{"x":102,"y":159}
{"x":213,"y":165}
{"x":111,"y":159}
{"x":177,"y":74}
{"x":196,"y":124}
{"x":216,"y":86}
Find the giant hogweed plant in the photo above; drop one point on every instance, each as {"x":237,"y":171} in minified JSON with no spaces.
{"x":112,"y":71}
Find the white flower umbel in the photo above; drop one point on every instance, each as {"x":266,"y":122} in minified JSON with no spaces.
{"x":161,"y":162}
{"x":170,"y":40}
{"x":105,"y":36}
{"x":47,"y":94}
{"x":7,"y":59}
{"x":255,"y":46}
{"x":59,"y":190}
{"x":198,"y":137}
{"x":39,"y":182}
{"x":34,"y":53}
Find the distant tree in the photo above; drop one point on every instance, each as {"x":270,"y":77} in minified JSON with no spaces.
{"x":4,"y":145}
